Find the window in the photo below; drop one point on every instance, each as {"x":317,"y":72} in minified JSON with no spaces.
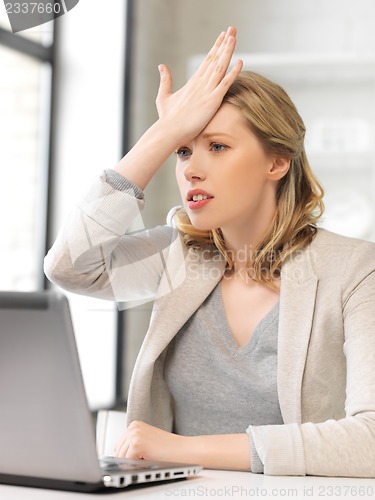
{"x":31,"y":205}
{"x":25,"y":97}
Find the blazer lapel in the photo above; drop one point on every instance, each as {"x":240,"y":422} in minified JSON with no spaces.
{"x":171,"y":311}
{"x":297,"y":302}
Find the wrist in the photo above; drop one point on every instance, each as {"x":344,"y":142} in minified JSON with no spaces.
{"x":148,"y":155}
{"x":171,"y":130}
{"x":223,"y":451}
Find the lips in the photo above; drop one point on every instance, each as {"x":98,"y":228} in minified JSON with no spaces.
{"x":198,"y":198}
{"x":198,"y":195}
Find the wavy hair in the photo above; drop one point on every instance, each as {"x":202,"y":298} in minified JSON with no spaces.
{"x":274,"y":119}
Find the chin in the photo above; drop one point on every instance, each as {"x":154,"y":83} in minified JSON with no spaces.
{"x":202,"y":225}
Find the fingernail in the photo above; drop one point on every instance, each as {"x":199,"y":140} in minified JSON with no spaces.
{"x":161,"y":68}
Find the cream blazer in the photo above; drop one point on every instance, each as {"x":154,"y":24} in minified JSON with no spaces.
{"x":326,"y":338}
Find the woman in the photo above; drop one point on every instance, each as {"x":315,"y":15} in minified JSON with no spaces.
{"x":261,"y":344}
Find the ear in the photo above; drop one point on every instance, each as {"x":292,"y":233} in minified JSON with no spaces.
{"x":279,"y":168}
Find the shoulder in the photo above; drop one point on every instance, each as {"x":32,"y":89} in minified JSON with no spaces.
{"x":332,"y":254}
{"x":332,"y":245}
{"x":332,"y":258}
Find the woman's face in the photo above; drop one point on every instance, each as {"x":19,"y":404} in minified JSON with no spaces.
{"x":225,"y":178}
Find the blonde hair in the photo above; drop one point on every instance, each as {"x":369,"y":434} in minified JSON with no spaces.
{"x":273,"y":118}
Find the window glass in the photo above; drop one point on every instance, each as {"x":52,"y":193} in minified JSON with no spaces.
{"x":23,"y":126}
{"x":4,"y":21}
{"x":94,"y":323}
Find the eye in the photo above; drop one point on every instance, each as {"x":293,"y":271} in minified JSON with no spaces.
{"x":217,"y":148}
{"x":183,"y":152}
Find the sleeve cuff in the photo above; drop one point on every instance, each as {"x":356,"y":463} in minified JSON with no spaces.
{"x":117,"y":181}
{"x":256,"y":463}
{"x":115,"y":210}
{"x":280,"y":449}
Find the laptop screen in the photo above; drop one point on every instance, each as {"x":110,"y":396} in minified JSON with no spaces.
{"x":46,"y":429}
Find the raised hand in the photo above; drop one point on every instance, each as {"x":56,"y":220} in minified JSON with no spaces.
{"x":191,"y":108}
{"x":182,"y":114}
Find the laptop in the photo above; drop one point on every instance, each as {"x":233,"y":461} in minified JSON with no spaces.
{"x":47,"y":432}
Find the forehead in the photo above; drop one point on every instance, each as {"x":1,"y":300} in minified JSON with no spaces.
{"x":228,"y":119}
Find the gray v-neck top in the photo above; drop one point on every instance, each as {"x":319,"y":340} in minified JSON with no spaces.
{"x":218,"y":387}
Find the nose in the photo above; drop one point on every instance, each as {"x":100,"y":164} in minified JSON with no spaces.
{"x":194,"y":169}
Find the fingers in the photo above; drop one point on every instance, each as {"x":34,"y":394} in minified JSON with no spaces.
{"x":199,"y":99}
{"x":221,"y":62}
{"x":216,"y":64}
{"x":131,"y":444}
{"x":211,"y":54}
{"x":228,"y":42}
{"x":215,"y":53}
{"x":121,"y":448}
{"x":227,"y":81}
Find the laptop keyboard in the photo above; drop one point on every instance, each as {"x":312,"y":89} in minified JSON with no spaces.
{"x":112,"y":464}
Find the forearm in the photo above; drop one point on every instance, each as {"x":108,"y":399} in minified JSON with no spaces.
{"x":148,"y":154}
{"x":92,"y":255}
{"x":223,"y":451}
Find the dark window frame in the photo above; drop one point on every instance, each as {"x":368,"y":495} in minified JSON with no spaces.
{"x":120,"y":398}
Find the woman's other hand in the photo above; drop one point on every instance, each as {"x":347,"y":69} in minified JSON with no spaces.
{"x":141,"y":440}
{"x":223,"y":451}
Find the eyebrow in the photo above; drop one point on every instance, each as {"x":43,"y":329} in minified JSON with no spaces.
{"x":207,"y":135}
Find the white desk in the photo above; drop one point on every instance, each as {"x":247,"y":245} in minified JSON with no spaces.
{"x":222,"y":485}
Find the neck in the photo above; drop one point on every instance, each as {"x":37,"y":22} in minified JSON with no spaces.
{"x":242,"y":243}
{"x":243,"y":237}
